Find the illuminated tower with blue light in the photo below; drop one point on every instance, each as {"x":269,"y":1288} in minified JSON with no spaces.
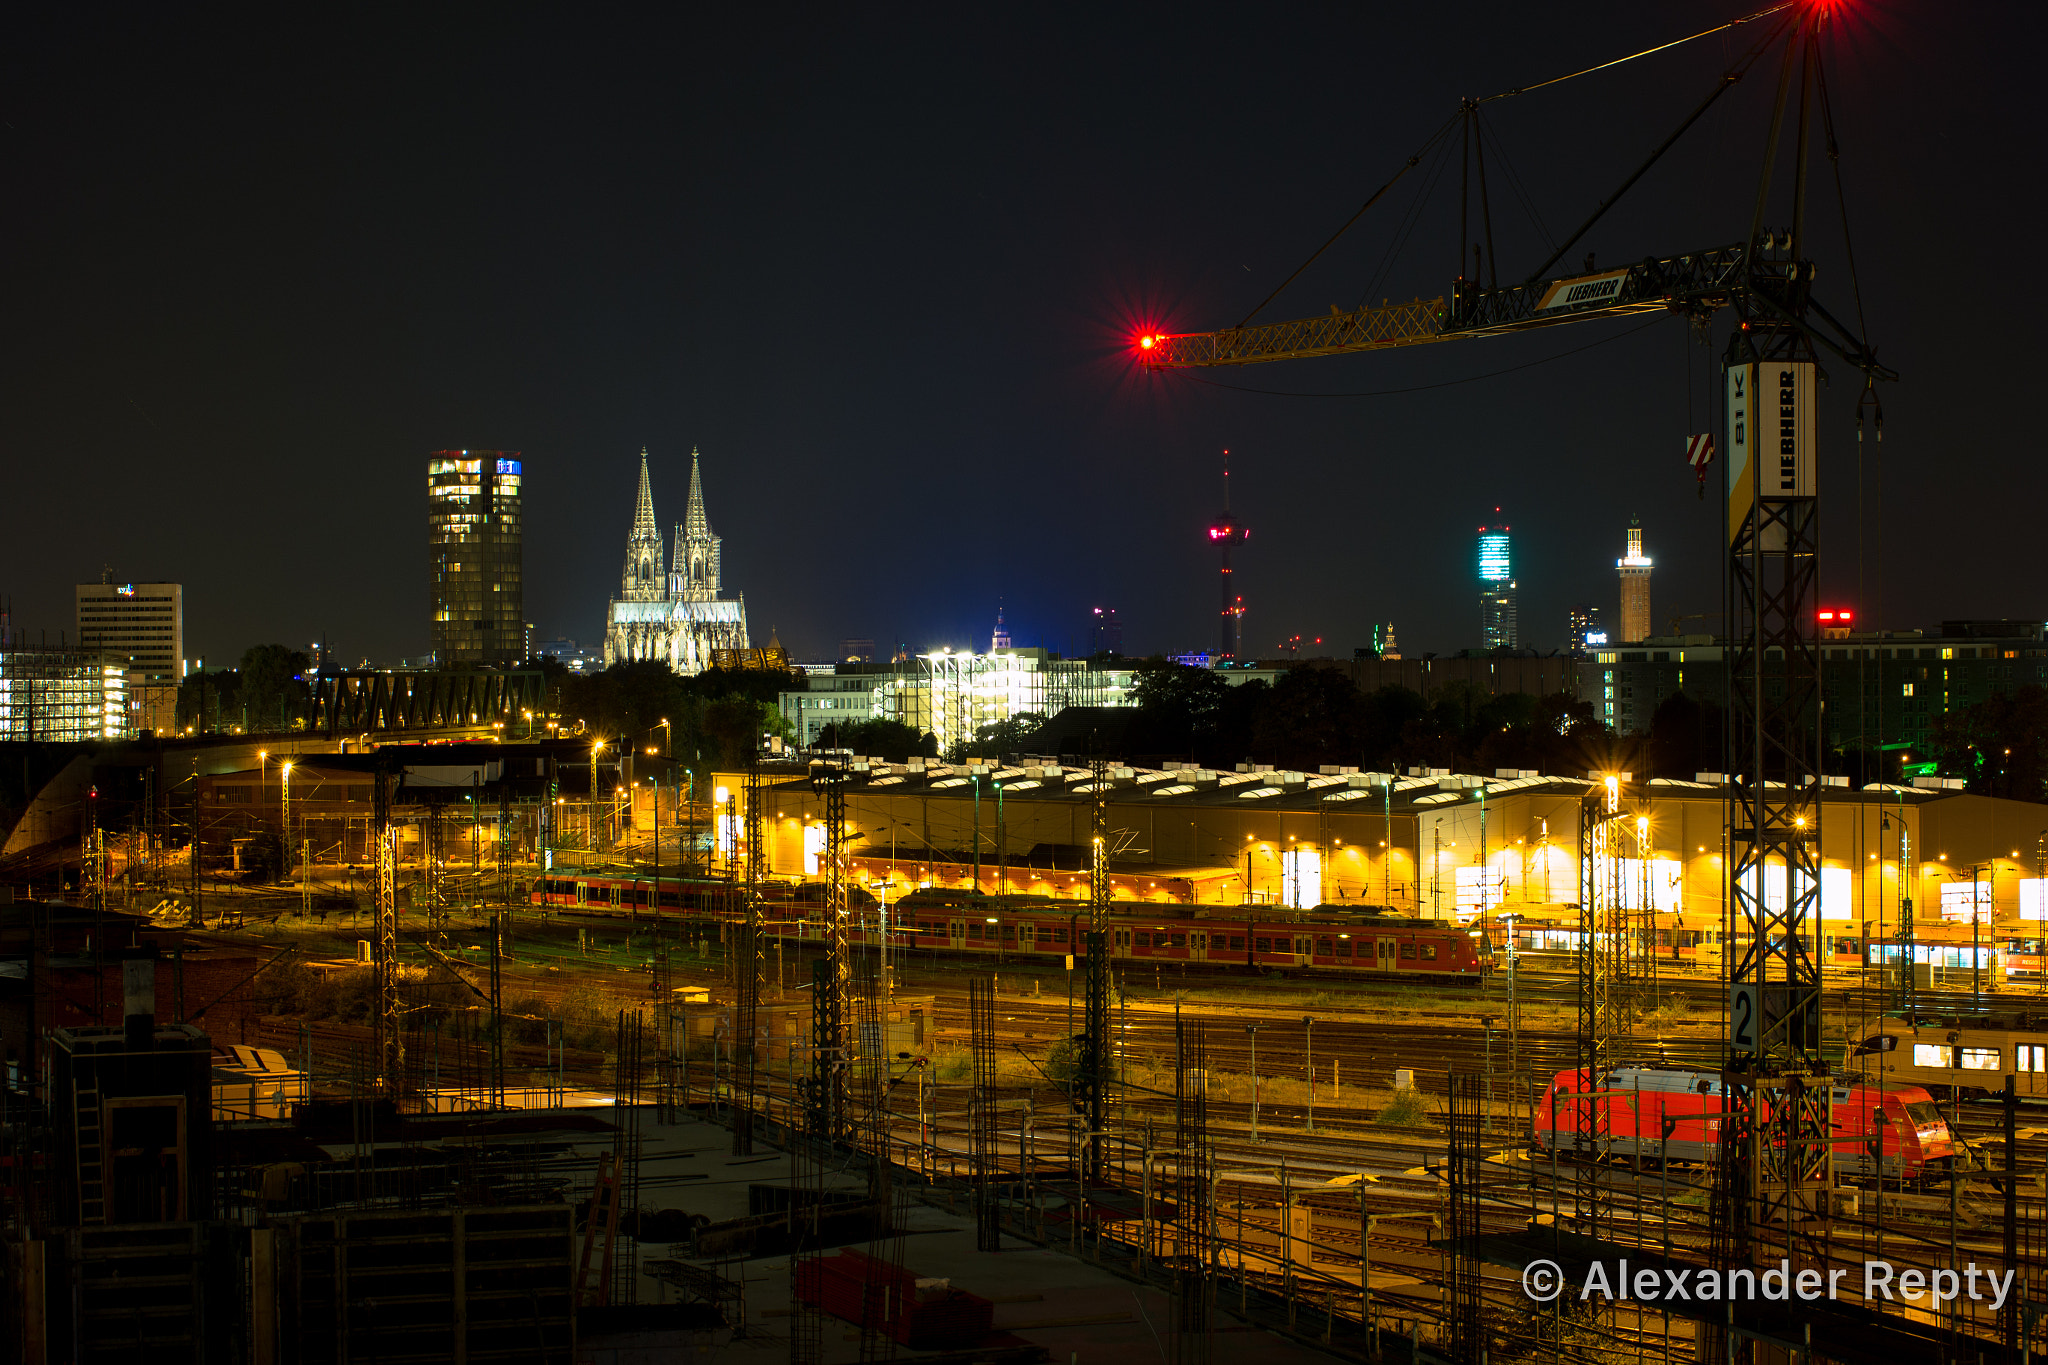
{"x":1225,"y":532}
{"x":1498,"y":628}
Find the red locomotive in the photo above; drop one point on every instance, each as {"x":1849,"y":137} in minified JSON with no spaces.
{"x":1663,"y":1114}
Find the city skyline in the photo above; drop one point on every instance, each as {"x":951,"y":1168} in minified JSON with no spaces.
{"x":578,"y":336}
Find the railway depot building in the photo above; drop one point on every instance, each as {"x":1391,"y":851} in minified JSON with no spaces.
{"x":1433,"y":844}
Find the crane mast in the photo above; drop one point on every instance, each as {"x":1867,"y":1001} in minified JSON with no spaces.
{"x":1775,"y":1167}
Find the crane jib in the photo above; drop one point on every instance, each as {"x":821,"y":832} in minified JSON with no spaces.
{"x":1695,"y":281}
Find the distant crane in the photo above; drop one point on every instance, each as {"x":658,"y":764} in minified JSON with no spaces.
{"x":1678,"y":621}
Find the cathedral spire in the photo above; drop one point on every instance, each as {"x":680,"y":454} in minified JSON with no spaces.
{"x":644,"y":524}
{"x":695,"y":523}
{"x":643,"y":580}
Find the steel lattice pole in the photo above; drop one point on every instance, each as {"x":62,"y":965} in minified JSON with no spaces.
{"x":1097,"y":1070}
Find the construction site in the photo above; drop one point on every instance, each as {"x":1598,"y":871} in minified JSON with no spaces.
{"x":399,"y":1038}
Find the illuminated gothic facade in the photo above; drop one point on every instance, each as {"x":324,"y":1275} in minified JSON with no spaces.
{"x":676,"y":615}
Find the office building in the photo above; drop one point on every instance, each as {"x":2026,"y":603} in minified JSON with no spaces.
{"x":1634,"y":570}
{"x":1498,"y":624}
{"x":681,"y":616}
{"x":142,"y":627}
{"x":952,"y":695}
{"x":1588,"y":630}
{"x":1106,"y":632}
{"x":1879,"y":689}
{"x":476,"y":558}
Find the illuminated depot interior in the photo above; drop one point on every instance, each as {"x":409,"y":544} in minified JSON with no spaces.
{"x":1437,"y":844}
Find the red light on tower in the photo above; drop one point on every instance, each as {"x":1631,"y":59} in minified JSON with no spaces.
{"x":1145,"y":342}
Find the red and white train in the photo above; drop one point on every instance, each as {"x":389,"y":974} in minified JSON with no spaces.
{"x":1664,"y":1114}
{"x":1329,"y":939}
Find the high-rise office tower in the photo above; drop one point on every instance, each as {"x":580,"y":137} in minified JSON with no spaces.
{"x":1225,"y":532}
{"x":141,"y":625}
{"x":476,"y":557}
{"x":141,"y":628}
{"x":1588,"y":629}
{"x":1108,"y":632}
{"x":1498,"y":626}
{"x":1634,"y":569}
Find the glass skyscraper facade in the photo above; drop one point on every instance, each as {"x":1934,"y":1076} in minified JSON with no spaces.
{"x":1498,"y":628}
{"x":476,"y":557}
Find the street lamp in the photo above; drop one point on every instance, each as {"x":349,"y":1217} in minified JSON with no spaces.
{"x":1253,"y":1030}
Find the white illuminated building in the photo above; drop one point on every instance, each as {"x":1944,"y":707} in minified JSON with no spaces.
{"x":952,"y":694}
{"x":679,"y":615}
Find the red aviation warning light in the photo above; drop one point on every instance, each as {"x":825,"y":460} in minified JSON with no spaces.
{"x":1146,"y":342}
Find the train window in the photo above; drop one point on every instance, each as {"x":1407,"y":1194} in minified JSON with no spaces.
{"x":1264,"y":945}
{"x":1408,"y":951}
{"x":1144,"y":939}
{"x":1059,"y":933}
{"x":1326,"y":947}
{"x":1930,"y":1054}
{"x":1180,"y":940}
{"x":1429,"y":952}
{"x":2029,"y":1057}
{"x":1343,"y":947}
{"x":1237,"y":942}
{"x":1980,"y":1058}
{"x":974,"y":931}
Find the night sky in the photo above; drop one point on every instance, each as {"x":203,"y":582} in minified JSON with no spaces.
{"x":882,"y":266}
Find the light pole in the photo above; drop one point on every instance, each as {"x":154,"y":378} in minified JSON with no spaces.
{"x":284,"y":815}
{"x":590,"y":811}
{"x":1308,"y":1029}
{"x":1253,"y":1031}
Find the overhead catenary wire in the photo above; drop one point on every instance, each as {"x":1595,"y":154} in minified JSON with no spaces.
{"x":1441,"y":384}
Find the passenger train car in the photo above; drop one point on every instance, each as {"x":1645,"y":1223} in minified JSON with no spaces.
{"x":1967,"y":1054}
{"x":1664,"y":1114}
{"x":1337,"y":940}
{"x":1326,"y":939}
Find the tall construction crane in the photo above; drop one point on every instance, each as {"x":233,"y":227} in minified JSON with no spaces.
{"x":1776,"y":1164}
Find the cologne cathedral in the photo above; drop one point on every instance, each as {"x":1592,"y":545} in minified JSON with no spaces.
{"x":677,"y":615}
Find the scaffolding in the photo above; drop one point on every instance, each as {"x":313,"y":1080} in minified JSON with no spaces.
{"x":981,"y":1113}
{"x":1466,"y":1288}
{"x":61,"y":694}
{"x":1194,"y":1194}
